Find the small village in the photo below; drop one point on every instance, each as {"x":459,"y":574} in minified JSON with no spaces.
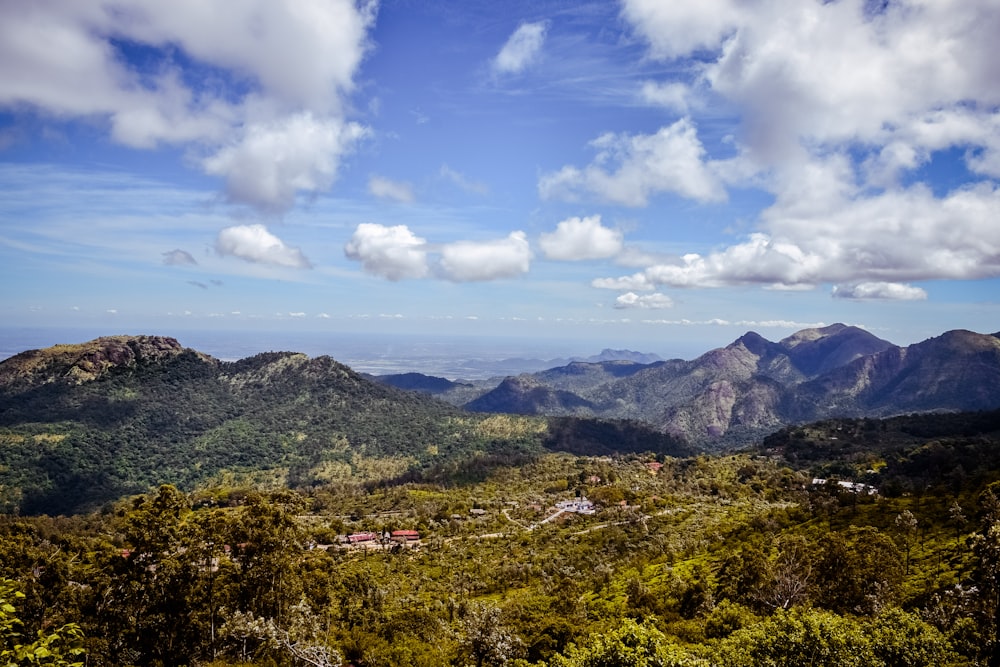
{"x":411,"y":538}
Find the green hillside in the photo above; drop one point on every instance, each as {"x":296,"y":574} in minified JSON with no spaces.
{"x":83,"y":425}
{"x":721,"y":561}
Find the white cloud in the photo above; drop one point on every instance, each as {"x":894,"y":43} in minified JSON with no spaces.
{"x":254,"y":243}
{"x":178,"y":257}
{"x":881,"y":291}
{"x":678,"y":28}
{"x":838,"y":105}
{"x":629,"y":169}
{"x":468,"y":261}
{"x":581,"y":238}
{"x":521,"y":49}
{"x":277,"y":67}
{"x":674,"y":96}
{"x":393,"y":253}
{"x":646,"y":301}
{"x":273,"y":161}
{"x":637,"y":281}
{"x":894,"y":237}
{"x":383,"y":188}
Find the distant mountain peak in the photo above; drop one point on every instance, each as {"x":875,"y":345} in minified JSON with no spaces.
{"x":810,"y":335}
{"x":754,"y":342}
{"x":609,"y":354}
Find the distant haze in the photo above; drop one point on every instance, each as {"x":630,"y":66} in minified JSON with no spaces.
{"x":453,"y":357}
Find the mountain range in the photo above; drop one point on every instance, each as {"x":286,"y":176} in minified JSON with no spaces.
{"x":740,"y":392}
{"x":87,"y":423}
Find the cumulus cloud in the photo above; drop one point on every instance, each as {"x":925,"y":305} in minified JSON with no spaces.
{"x":271,"y":162}
{"x":581,"y":238}
{"x":383,"y":188}
{"x":839,"y":105}
{"x":895,"y":237}
{"x":468,"y":261}
{"x":521,"y":49}
{"x":393,"y":253}
{"x":678,"y":28}
{"x":637,"y":281}
{"x":629,"y":169}
{"x":281,"y":68}
{"x":881,"y":291}
{"x":254,"y":243}
{"x":178,"y":257}
{"x":646,"y":301}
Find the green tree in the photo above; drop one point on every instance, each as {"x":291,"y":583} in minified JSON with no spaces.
{"x":798,"y":637}
{"x":986,"y":549}
{"x":906,"y":524}
{"x":901,"y":639}
{"x":632,"y":645}
{"x":859,"y":571}
{"x":485,"y":638}
{"x":156,"y":581}
{"x":62,"y":647}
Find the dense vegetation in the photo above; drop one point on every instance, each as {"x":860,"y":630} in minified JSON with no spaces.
{"x":707,"y":560}
{"x":275,"y":419}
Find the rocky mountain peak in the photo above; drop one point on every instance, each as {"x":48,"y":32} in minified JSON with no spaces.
{"x":84,"y":362}
{"x":755,"y":343}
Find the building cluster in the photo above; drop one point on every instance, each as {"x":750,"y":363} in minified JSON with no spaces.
{"x":579,"y":506}
{"x":854,"y":487}
{"x":373,"y":539}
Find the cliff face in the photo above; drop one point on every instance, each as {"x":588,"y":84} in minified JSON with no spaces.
{"x":85,"y":362}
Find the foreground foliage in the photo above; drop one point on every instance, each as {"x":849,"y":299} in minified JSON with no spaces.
{"x":711,"y":560}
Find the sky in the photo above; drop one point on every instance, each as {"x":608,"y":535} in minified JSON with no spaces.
{"x":641,"y":174}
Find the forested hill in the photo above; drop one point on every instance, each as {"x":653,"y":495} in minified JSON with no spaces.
{"x":87,"y":423}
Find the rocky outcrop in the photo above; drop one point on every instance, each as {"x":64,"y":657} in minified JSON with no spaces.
{"x":85,"y":362}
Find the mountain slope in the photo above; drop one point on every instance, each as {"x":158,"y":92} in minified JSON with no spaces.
{"x":959,"y":370}
{"x":740,"y":392}
{"x":524,"y":395}
{"x":84,"y":424}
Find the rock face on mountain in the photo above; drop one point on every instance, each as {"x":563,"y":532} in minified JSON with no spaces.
{"x":84,"y":362}
{"x":752,"y":386}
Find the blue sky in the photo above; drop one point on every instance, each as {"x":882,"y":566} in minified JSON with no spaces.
{"x":643,"y":174}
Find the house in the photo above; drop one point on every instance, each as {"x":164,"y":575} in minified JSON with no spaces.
{"x":362,"y":538}
{"x":654,"y":467}
{"x":475,"y":511}
{"x":405,"y":536}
